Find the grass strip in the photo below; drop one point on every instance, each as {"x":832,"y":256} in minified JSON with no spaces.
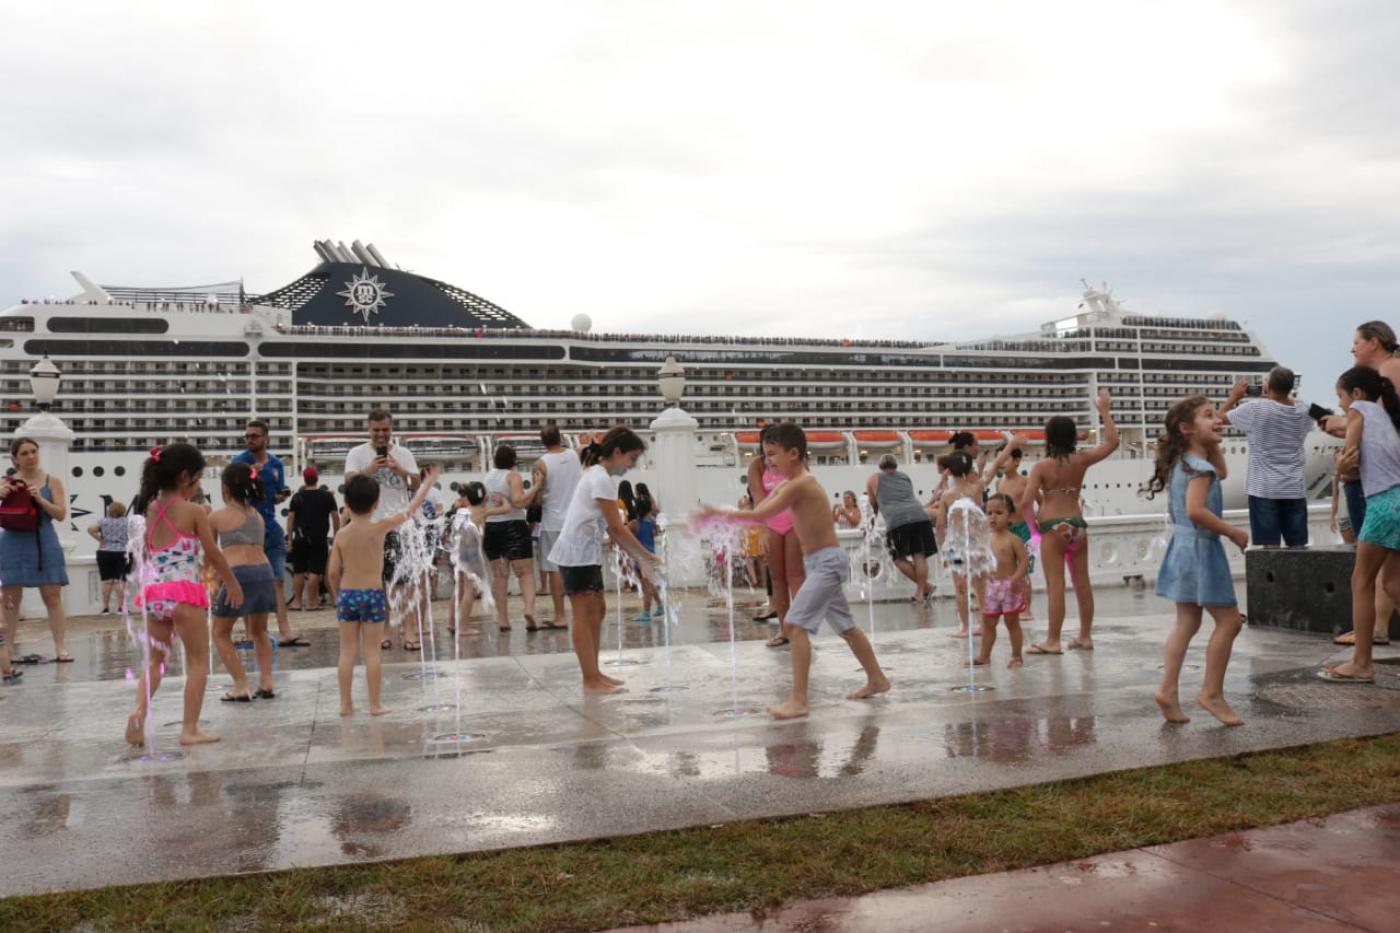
{"x":755,"y":864}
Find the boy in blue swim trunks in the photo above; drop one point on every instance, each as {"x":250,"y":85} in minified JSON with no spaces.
{"x":355,"y":572}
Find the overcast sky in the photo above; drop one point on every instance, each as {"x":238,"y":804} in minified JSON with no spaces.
{"x":927,"y":170}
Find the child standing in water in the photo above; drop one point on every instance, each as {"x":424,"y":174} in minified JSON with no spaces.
{"x":826,"y":568}
{"x":1004,"y":587}
{"x":962,"y":484}
{"x":471,"y":563}
{"x":239,"y":527}
{"x":1195,"y":572}
{"x":356,"y":573}
{"x":178,"y":540}
{"x":1013,"y":485}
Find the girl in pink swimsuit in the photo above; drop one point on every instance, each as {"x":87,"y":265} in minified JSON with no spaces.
{"x":178,"y":540}
{"x":784,"y":554}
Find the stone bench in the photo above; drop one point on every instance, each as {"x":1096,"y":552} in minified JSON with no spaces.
{"x":1307,"y":589}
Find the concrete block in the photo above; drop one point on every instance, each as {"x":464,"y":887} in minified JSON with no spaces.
{"x":1307,"y":589}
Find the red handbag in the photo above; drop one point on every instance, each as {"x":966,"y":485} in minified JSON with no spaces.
{"x":18,"y":510}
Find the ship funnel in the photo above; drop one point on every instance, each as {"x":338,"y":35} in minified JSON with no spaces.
{"x":362,"y":254}
{"x":323,"y":251}
{"x":379,"y":257}
{"x":344,"y":254}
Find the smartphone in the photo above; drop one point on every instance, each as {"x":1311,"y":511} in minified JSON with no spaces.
{"x":381,"y":452}
{"x":1317,"y":412}
{"x":1254,"y":391}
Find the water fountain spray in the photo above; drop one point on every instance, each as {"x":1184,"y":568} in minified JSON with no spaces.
{"x":969,"y":553}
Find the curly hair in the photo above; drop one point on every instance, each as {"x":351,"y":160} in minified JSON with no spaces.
{"x":1172,"y":444}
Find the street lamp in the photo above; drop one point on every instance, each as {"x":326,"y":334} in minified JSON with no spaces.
{"x":43,"y":382}
{"x":671,"y":378}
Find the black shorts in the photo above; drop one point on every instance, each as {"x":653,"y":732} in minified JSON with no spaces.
{"x":582,"y":579}
{"x":393,"y":553}
{"x":509,"y":540}
{"x":913,"y":539}
{"x":310,"y":556}
{"x":113,"y":565}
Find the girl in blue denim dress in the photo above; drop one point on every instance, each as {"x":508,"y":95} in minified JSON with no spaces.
{"x":1195,"y":572}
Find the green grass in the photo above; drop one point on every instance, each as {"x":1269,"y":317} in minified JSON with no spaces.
{"x":756,"y":864}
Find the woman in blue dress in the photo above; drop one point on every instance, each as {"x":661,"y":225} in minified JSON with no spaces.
{"x":34,"y":558}
{"x":1195,"y":572}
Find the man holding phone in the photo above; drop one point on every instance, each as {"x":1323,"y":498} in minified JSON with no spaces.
{"x":395,"y":469}
{"x":1277,"y":427}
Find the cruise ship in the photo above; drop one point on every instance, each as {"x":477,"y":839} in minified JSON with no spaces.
{"x":143,"y":366}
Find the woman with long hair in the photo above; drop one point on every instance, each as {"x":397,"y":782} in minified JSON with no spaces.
{"x":31,"y":556}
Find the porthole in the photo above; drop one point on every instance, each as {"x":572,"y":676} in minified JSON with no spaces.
{"x":120,"y":471}
{"x":98,"y":471}
{"x":77,"y":471}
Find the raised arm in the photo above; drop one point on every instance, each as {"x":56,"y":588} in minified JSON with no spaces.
{"x":1017,"y":442}
{"x":1237,"y":394}
{"x":1104,"y":403}
{"x":416,"y":503}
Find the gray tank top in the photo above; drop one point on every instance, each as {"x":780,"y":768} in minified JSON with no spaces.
{"x":497,"y":483}
{"x":250,"y":532}
{"x":894,"y":494}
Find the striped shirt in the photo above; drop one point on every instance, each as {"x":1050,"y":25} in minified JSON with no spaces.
{"x":1277,"y":433}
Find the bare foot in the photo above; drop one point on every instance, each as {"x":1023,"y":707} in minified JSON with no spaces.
{"x":959,"y":632}
{"x":612,"y":680}
{"x":1015,"y":662}
{"x":1218,"y":708}
{"x":790,"y":709}
{"x":604,"y":685}
{"x":1170,"y":706}
{"x":197,"y":738}
{"x":1080,"y":644}
{"x":135,"y":730}
{"x":379,"y":710}
{"x":347,"y":711}
{"x":871,"y":688}
{"x":979,"y":662}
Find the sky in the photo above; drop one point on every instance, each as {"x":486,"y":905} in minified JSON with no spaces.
{"x":924,"y":170}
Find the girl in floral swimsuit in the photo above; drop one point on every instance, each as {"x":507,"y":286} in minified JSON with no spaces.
{"x":172,"y":595}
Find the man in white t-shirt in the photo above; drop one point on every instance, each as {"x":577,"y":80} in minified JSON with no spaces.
{"x":1277,"y":428}
{"x":554,"y":477}
{"x":396,"y":471}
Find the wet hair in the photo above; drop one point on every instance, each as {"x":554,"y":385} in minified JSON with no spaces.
{"x":1016,"y":453}
{"x":1375,"y":387}
{"x":504,"y":458}
{"x":963,"y":440}
{"x":1281,"y":380}
{"x":361,"y":494}
{"x":646,"y":505}
{"x":889,"y":462}
{"x":1381,"y":332}
{"x":788,"y":436}
{"x":116,"y":509}
{"x":258,"y":423}
{"x":1172,"y":444}
{"x":19,"y":442}
{"x":958,"y":463}
{"x":619,"y":440}
{"x":549,"y":436}
{"x":1004,"y":499}
{"x":474,"y":492}
{"x":242,"y":482}
{"x":589,"y":455}
{"x":163,"y":469}
{"x":1061,"y":437}
{"x":379,"y":414}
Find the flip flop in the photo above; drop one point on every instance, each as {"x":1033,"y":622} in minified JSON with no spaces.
{"x":1036,"y":649}
{"x":386,"y":644}
{"x":1076,"y":646}
{"x":232,"y":698}
{"x":554,"y":625}
{"x":68,"y":658}
{"x":778,"y":642}
{"x":413,"y":646}
{"x":29,"y":659}
{"x":12,"y":677}
{"x":262,"y":694}
{"x":1335,"y":678}
{"x":296,"y":641}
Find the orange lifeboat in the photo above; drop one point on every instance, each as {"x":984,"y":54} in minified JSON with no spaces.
{"x":877,"y":438}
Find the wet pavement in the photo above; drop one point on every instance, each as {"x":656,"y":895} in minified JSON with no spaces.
{"x":1333,"y":874}
{"x":502,"y":750}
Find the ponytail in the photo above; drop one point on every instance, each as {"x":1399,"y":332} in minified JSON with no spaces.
{"x":1390,"y":401}
{"x":1375,"y":387}
{"x":243,"y":483}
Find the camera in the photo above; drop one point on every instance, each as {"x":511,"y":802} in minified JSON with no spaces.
{"x":1254,"y":391}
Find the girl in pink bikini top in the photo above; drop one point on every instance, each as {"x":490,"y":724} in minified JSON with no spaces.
{"x":782,"y":522}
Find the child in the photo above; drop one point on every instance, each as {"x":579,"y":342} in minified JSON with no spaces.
{"x":1372,"y":444}
{"x":356,"y":571}
{"x":1195,"y":572}
{"x":239,"y":527}
{"x":578,"y":552}
{"x":178,"y":539}
{"x":1004,"y":586}
{"x":1013,"y":485}
{"x":825,"y":563}
{"x":644,"y":527}
{"x":471,"y":564}
{"x":963,"y":484}
{"x":780,"y":544}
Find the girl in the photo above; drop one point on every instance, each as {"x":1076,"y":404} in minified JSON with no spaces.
{"x":785,"y":568}
{"x":847,"y":511}
{"x":1195,"y":572}
{"x":644,"y":527}
{"x":962,"y":484}
{"x":113,"y":563}
{"x":1372,"y":441}
{"x":579,"y":550}
{"x":471,"y":565}
{"x":239,"y":527}
{"x":178,"y":538}
{"x":1005,"y":593}
{"x":1055,"y":484}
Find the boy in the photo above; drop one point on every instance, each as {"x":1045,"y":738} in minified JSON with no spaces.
{"x":1005,"y":596}
{"x":827,"y":568}
{"x":355,"y":572}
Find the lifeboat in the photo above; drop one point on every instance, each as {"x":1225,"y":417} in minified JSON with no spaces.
{"x":877,"y":439}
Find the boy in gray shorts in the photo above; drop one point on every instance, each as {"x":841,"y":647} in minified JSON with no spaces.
{"x":821,"y":596}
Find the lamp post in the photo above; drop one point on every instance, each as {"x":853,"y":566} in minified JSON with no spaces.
{"x":43,"y":382}
{"x":671,"y":379}
{"x":674,"y":455}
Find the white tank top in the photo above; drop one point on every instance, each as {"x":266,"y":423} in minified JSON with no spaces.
{"x":560,"y":481}
{"x":1380,"y":449}
{"x":497,"y":483}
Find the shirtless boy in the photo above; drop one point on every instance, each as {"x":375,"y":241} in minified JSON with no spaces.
{"x":820,"y":596}
{"x":356,"y":574}
{"x":1004,"y":593}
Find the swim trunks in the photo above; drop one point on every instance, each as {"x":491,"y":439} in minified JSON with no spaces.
{"x":1002,"y":598}
{"x":820,"y":596}
{"x":362,"y":606}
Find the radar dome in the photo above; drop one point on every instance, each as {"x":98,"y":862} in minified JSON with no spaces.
{"x":582,"y":323}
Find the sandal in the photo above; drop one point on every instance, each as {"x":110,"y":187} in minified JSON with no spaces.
{"x":413,"y":646}
{"x":1333,"y":676}
{"x":63,"y":659}
{"x":262,"y":694}
{"x":235,"y":698}
{"x":777,"y":642}
{"x":553,"y":626}
{"x":1036,"y":649}
{"x":386,"y":644}
{"x":296,"y":641}
{"x":12,"y":676}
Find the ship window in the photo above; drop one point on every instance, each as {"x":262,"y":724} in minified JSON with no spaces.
{"x":24,"y":325}
{"x":108,"y":325}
